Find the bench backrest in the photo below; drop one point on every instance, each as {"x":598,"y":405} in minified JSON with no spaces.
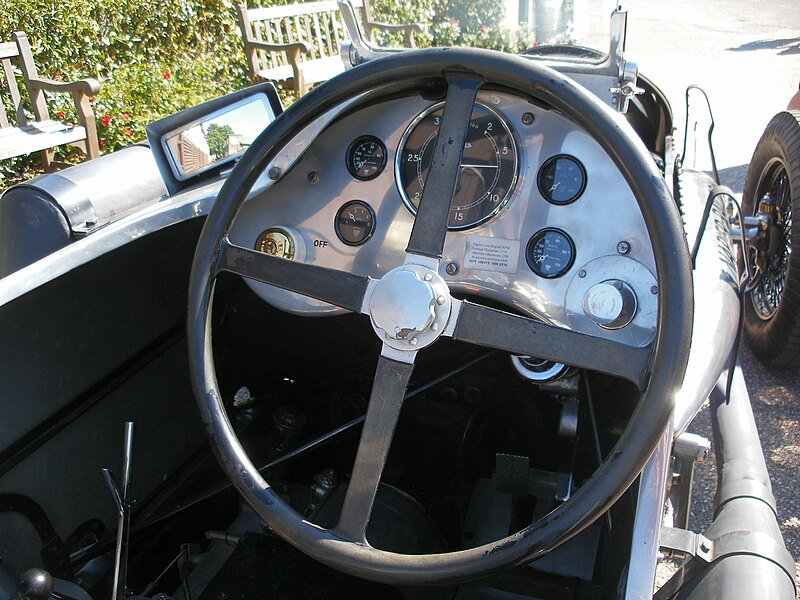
{"x":317,"y":23}
{"x":12,"y":101}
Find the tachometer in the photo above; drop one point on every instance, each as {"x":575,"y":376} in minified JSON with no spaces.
{"x":488,"y":166}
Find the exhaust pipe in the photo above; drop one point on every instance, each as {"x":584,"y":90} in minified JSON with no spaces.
{"x":742,"y":555}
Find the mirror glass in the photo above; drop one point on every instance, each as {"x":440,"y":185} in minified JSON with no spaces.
{"x":217,"y":138}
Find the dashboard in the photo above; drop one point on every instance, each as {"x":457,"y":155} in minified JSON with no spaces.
{"x":542,"y":220}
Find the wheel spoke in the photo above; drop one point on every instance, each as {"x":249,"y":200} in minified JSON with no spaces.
{"x":430,"y":226}
{"x":522,"y":335}
{"x":388,"y":391}
{"x":335,"y":287}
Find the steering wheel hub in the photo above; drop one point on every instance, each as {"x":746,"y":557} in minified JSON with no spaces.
{"x":409,"y":307}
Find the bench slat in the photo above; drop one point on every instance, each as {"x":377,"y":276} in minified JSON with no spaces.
{"x":8,"y":50}
{"x":16,"y":141}
{"x":315,"y":71}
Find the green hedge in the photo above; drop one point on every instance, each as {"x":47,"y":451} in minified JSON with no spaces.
{"x":154,"y":57}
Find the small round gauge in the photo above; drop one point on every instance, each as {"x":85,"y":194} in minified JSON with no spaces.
{"x":355,"y":222}
{"x":366,"y":157}
{"x":562,"y":179}
{"x":488,"y":166}
{"x":276,"y":241}
{"x":550,"y":253}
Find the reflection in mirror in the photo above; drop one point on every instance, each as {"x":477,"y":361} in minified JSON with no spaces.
{"x":217,"y":138}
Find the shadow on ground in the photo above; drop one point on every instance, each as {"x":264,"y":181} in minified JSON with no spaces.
{"x":787,"y":46}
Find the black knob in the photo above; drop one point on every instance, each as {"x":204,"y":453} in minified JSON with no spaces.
{"x":34,"y":584}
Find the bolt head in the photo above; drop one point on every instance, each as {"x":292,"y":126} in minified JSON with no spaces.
{"x":451,"y":268}
{"x":623,"y":247}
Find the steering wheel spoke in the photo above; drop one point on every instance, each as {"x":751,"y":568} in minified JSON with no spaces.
{"x":386,"y":400}
{"x":525,"y":336}
{"x":335,"y":287}
{"x":430,"y":225}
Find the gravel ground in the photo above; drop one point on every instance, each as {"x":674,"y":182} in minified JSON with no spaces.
{"x":775,"y":396}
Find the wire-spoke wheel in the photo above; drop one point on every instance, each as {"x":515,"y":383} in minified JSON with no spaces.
{"x":772,"y":311}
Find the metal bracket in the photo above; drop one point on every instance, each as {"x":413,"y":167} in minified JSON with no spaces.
{"x":689,"y":448}
{"x":703,"y":551}
{"x":626,"y":88}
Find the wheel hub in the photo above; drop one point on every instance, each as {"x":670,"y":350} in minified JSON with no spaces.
{"x":410,"y":307}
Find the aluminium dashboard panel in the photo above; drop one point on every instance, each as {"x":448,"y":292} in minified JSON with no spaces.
{"x":490,"y":257}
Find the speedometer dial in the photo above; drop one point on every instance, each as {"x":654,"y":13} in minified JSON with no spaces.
{"x":488,"y":167}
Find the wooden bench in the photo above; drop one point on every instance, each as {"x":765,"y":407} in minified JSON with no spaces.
{"x":18,"y":134}
{"x":297,"y":45}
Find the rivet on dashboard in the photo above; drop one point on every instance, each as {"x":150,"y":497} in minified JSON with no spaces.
{"x":428,"y":277}
{"x":528,"y":118}
{"x":313,"y":177}
{"x":582,"y":273}
{"x":654,"y":290}
{"x":413,"y":341}
{"x":440,"y":300}
{"x":274,"y":173}
{"x":623,"y":247}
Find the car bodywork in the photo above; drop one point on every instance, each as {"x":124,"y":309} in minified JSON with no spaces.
{"x":93,"y":308}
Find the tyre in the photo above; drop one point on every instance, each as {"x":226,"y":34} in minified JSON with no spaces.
{"x":772,"y":307}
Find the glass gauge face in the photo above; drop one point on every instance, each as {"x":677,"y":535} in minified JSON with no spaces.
{"x":355,"y":222}
{"x":276,"y":242}
{"x":550,"y":253}
{"x":488,"y":167}
{"x":366,"y":157}
{"x":562,"y":179}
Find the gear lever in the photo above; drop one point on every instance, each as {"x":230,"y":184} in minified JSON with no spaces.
{"x":124,"y":511}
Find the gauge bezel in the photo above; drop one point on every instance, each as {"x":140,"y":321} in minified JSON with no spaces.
{"x":512,"y":184}
{"x":351,"y":150}
{"x":542,"y":233}
{"x":546,"y":195}
{"x":336,"y":222}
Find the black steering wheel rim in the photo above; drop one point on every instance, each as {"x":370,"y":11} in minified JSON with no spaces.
{"x":652,"y":414}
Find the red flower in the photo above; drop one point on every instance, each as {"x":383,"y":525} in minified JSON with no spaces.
{"x":454,"y":22}
{"x":483,"y":30}
{"x":91,"y":100}
{"x":167,"y":75}
{"x":105,"y":120}
{"x":125,"y":116}
{"x":101,"y":143}
{"x":128,"y":132}
{"x":60,"y":115}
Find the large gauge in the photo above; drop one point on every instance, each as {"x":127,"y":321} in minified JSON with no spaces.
{"x":488,"y":166}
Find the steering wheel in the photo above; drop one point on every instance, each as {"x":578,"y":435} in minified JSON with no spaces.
{"x":410,"y":307}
